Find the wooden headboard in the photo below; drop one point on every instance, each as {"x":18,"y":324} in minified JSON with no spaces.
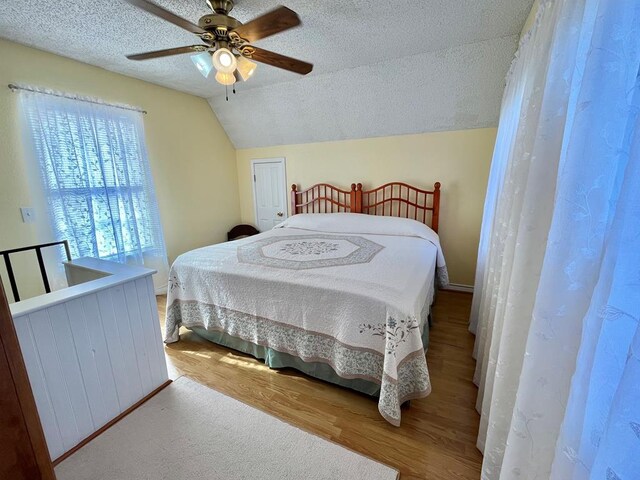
{"x":323,"y":198}
{"x":394,"y":199}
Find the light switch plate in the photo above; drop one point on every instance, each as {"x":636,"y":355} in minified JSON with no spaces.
{"x":28,"y":214}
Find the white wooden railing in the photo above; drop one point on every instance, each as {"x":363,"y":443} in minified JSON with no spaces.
{"x":91,"y":350}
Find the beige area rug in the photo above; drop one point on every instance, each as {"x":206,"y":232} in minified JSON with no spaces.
{"x":189,"y":431}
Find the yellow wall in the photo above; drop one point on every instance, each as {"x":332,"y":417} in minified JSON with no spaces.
{"x":192,"y":160}
{"x":459,"y":160}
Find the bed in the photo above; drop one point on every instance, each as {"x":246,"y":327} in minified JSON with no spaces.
{"x":341,"y":290}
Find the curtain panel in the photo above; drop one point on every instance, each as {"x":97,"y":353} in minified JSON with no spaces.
{"x":93,"y":173}
{"x":557,"y":301}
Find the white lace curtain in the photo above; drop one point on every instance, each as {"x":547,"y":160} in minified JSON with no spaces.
{"x":93,"y":172}
{"x":557,"y":304}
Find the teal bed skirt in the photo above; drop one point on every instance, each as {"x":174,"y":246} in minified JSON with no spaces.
{"x":274,"y":359}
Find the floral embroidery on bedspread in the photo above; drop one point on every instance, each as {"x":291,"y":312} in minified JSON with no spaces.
{"x":174,"y":283}
{"x":309,"y":248}
{"x":442,"y":277}
{"x":413,"y":382}
{"x":395,"y":332}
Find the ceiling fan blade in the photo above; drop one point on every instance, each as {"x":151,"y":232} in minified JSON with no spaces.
{"x":167,"y":52}
{"x":275,"y":21}
{"x":166,"y":15}
{"x":281,"y":61}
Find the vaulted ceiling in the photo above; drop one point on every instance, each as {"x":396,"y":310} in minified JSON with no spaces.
{"x":381,"y":67}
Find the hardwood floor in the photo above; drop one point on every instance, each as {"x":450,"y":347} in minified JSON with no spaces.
{"x":438,"y":433}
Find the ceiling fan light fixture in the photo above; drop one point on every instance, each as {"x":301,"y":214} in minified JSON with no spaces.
{"x":227,"y":43}
{"x":224,"y":61}
{"x":225,"y":78}
{"x":203,"y":63}
{"x":246,"y":68}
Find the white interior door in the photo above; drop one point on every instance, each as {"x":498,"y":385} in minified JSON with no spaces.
{"x":269,"y":192}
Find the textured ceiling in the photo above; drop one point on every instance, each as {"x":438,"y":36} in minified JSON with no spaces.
{"x":381,"y":68}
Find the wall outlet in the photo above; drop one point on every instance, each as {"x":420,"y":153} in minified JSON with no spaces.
{"x":28,"y":214}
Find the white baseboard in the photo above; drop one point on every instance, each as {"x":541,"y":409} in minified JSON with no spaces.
{"x":457,"y":287}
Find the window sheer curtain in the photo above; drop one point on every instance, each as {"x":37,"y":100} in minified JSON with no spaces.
{"x":90,"y":163}
{"x":557,"y":304}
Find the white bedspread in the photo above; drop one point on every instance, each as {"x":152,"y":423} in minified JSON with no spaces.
{"x":349,"y":290}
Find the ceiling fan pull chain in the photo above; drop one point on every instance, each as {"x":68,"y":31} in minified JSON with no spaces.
{"x":226,"y":91}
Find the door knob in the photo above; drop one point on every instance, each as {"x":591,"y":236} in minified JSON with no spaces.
{"x":280,"y":214}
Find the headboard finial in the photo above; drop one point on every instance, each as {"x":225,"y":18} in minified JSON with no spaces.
{"x":356,"y":200}
{"x":294,"y":201}
{"x":436,"y":186}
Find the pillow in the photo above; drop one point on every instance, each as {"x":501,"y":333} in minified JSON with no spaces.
{"x":360,"y":223}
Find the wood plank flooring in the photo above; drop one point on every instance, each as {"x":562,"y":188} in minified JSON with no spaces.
{"x":438,"y":433}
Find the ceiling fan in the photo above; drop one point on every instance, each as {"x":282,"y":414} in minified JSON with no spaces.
{"x":227,"y":43}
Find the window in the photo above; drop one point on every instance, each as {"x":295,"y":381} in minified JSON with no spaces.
{"x":94,"y":170}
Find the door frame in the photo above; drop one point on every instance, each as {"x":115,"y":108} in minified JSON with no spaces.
{"x":254,"y":162}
